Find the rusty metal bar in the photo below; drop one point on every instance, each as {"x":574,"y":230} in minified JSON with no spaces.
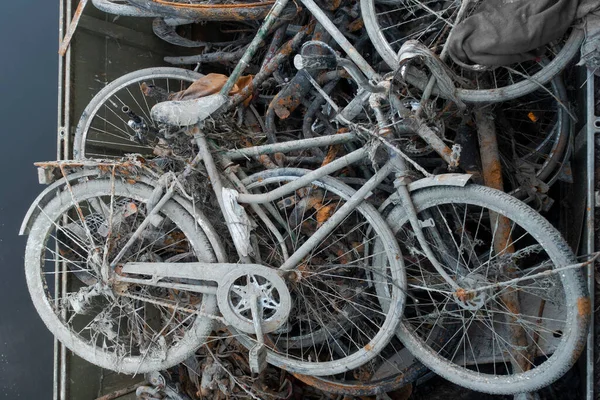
{"x":66,"y":40}
{"x":492,"y":177}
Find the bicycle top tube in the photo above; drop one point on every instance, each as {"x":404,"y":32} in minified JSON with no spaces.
{"x":290,"y":187}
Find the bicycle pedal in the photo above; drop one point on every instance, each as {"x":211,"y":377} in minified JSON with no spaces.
{"x":258,"y":358}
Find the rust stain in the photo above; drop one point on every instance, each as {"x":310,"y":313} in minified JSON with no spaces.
{"x":331,"y":154}
{"x":279,"y":159}
{"x":323,"y":214}
{"x":492,"y":174}
{"x":359,"y":247}
{"x":64,"y":46}
{"x":287,"y":49}
{"x":356,"y":25}
{"x":342,"y":256}
{"x":284,"y":105}
{"x":511,"y":305}
{"x":464,"y":295}
{"x":532,"y":117}
{"x":361,"y":389}
{"x":266,"y":161}
{"x":235,"y":6}
{"x":217,"y":12}
{"x":584,"y":306}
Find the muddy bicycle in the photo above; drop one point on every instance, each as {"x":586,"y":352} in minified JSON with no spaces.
{"x":321,"y":282}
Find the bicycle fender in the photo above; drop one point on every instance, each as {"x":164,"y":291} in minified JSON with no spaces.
{"x":47,"y":194}
{"x":440,"y":180}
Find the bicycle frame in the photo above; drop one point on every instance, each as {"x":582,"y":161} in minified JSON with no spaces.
{"x":396,"y":164}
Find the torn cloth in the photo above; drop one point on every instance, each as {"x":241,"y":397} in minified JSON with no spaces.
{"x":503,"y":32}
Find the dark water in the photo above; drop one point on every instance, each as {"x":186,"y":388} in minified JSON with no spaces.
{"x":28,"y":90}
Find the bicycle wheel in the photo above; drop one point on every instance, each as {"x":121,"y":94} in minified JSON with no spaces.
{"x":205,"y":10}
{"x":391,"y":24}
{"x":128,"y":328}
{"x":121,"y":7}
{"x":169,"y":34}
{"x":533,"y":137}
{"x":551,"y":313}
{"x":339,"y":323}
{"x":105,"y":130}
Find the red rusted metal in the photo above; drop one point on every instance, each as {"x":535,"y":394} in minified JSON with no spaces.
{"x":208,"y":12}
{"x":64,"y":46}
{"x":492,"y":177}
{"x":286,"y":50}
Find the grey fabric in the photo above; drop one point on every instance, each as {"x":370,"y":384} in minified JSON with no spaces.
{"x":590,"y":49}
{"x":503,"y":32}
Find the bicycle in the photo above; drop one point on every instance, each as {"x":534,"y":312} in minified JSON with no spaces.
{"x":381,"y":286}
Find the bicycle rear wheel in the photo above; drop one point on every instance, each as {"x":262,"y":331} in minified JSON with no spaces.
{"x":104,"y":129}
{"x":552,"y":310}
{"x":127,"y":328}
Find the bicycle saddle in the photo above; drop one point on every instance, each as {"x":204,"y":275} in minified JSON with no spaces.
{"x":187,"y":112}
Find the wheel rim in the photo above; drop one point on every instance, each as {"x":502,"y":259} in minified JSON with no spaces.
{"x":294,"y":348}
{"x":104,"y":130}
{"x":95,"y":321}
{"x":463,"y":359}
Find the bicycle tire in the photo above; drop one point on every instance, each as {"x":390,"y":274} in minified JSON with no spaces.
{"x":122,"y":8}
{"x":572,"y":338}
{"x":105,"y":95}
{"x":354,"y":356}
{"x":548,"y":154}
{"x":100,"y":352}
{"x":169,"y":34}
{"x":512,"y":91}
{"x":207,"y":12}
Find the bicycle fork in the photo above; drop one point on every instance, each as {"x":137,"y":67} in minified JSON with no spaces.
{"x":401,"y":184}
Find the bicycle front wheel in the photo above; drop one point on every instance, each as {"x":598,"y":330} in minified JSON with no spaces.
{"x":495,"y":247}
{"x":126,"y":327}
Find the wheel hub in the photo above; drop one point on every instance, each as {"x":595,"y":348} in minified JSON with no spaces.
{"x":240,"y":287}
{"x":467,"y":296}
